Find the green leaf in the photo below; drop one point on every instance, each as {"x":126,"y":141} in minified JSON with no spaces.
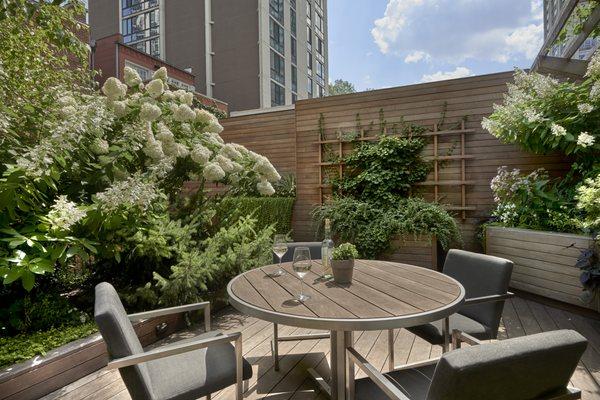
{"x":27,"y":280}
{"x":12,"y":275}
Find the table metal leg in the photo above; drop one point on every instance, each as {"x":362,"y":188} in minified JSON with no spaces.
{"x":446,"y":334}
{"x":275,"y":347}
{"x":339,"y":385}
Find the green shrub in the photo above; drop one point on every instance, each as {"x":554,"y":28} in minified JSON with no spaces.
{"x":371,"y":226}
{"x":345,"y":251}
{"x":232,"y":250}
{"x":267,"y":211}
{"x":25,"y":346}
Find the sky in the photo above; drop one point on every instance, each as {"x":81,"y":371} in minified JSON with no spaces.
{"x":385,"y":43}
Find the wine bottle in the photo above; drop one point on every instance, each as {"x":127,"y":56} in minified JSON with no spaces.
{"x":326,"y":250}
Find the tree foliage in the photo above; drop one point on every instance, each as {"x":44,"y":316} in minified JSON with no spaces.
{"x":341,"y":86}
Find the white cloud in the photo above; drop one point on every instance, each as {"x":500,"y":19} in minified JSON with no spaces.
{"x":452,"y":31}
{"x":388,"y":27}
{"x":417,"y":56}
{"x":526,"y":40}
{"x":459,"y":72}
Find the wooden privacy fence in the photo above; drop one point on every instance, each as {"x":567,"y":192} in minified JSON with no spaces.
{"x":465,"y":156}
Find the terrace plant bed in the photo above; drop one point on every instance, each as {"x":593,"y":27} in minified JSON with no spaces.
{"x":421,"y":250}
{"x":545,"y":262}
{"x":39,"y":376}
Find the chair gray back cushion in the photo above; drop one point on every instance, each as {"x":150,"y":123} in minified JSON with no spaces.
{"x":527,"y":367}
{"x":481,"y":275}
{"x":315,"y":251}
{"x":121,"y":339}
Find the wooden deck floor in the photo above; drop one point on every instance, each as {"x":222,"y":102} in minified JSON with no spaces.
{"x":520,"y":317}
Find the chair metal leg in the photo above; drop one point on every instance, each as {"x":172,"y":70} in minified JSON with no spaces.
{"x":246,"y":385}
{"x":391,"y":350}
{"x":239,"y":370}
{"x":446,"y":334}
{"x":275,"y":348}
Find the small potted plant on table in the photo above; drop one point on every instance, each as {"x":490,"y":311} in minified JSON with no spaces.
{"x":342,"y":262}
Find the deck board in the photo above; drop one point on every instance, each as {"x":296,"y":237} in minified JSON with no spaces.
{"x":520,"y":317}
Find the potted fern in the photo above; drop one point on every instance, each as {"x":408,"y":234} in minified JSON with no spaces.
{"x":342,"y":262}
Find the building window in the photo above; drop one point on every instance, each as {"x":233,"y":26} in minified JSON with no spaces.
{"x":277,"y":38}
{"x":277,"y":95}
{"x":277,"y":68}
{"x":293,"y":4}
{"x":294,"y":51}
{"x":309,"y":88}
{"x":309,"y":38}
{"x":309,"y":63}
{"x":141,"y":31}
{"x":134,"y":6}
{"x":276,"y":9}
{"x":294,"y":79}
{"x":321,"y":91}
{"x":319,"y":22}
{"x":308,"y":12}
{"x":320,"y":72}
{"x":294,"y":98}
{"x":293,"y":21}
{"x":144,"y":73}
{"x":319,"y":45}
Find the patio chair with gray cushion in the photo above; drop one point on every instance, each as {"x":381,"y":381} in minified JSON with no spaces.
{"x":485,"y":279}
{"x":188,"y":369}
{"x":315,"y":254}
{"x":525,"y":368}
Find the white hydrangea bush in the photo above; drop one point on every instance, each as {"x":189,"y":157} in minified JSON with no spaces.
{"x":543,"y":114}
{"x":164,"y":127}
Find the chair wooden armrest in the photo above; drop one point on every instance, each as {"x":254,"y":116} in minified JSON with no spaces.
{"x":489,"y":299}
{"x":377,"y":377}
{"x":175,"y":310}
{"x":175,"y":349}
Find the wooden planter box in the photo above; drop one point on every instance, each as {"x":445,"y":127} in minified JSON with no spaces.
{"x":422,"y":251}
{"x":42,"y":375}
{"x":544,"y":261}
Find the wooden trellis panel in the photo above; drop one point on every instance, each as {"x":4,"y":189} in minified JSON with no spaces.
{"x":436,"y":183}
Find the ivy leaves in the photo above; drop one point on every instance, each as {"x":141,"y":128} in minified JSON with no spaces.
{"x":383,"y":170}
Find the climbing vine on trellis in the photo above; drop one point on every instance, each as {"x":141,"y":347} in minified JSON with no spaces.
{"x":334,"y":149}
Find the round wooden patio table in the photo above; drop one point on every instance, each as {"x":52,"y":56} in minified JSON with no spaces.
{"x":382,"y":295}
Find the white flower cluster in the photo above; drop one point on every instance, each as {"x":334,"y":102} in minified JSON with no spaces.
{"x":64,"y":214}
{"x":114,"y":89}
{"x":150,"y":112}
{"x":558,"y":130}
{"x":585,"y":108}
{"x":132,"y":192}
{"x":174,"y":129}
{"x":131,"y":77}
{"x":593,"y":69}
{"x":87,"y":117}
{"x":155,"y":88}
{"x":532,"y":116}
{"x":585,"y":139}
{"x":506,"y":184}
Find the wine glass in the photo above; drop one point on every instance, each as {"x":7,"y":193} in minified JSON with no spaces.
{"x":280,"y":247}
{"x":301,"y":265}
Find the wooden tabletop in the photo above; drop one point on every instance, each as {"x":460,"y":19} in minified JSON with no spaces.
{"x":382,"y":295}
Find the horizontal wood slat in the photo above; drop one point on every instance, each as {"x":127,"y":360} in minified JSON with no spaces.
{"x":544,"y":261}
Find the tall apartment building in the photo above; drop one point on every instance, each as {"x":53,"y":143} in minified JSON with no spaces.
{"x":552,"y":12}
{"x":248,"y":53}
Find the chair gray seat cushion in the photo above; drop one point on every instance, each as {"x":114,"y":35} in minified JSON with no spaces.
{"x":414,"y":383}
{"x":432,"y":332}
{"x":197,"y":373}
